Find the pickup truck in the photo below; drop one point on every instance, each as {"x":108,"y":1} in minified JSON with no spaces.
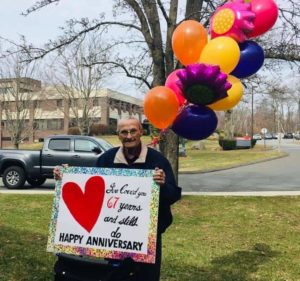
{"x":35,"y":166}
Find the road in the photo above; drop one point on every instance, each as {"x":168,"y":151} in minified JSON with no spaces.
{"x":275,"y":175}
{"x":278,"y":175}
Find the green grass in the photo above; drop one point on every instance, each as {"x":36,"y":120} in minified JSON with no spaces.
{"x":212,"y":239}
{"x":212,"y":158}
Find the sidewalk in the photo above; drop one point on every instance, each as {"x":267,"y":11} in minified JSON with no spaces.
{"x":241,"y":193}
{"x":245,"y":193}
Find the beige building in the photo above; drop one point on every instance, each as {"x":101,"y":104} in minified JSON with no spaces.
{"x":47,"y":112}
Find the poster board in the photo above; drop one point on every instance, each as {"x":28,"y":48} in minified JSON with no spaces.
{"x":108,"y":213}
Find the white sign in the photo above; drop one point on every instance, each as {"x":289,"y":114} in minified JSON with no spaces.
{"x":105,"y":213}
{"x":264,"y":130}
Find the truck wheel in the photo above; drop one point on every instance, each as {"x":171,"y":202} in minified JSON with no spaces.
{"x":14,"y":177}
{"x":36,"y":181}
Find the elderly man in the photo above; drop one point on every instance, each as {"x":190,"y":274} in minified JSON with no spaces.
{"x":135,"y":155}
{"x":132,"y":154}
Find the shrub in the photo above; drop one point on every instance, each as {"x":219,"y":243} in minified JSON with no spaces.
{"x":74,"y":131}
{"x":100,"y":129}
{"x":227,"y":144}
{"x":253,"y":142}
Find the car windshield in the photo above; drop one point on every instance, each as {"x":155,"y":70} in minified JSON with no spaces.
{"x":104,"y":144}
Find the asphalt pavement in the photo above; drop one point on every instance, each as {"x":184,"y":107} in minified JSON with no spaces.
{"x":278,"y":176}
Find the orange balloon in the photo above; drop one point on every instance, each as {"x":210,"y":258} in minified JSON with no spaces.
{"x":188,"y":40}
{"x":235,"y":94}
{"x":161,"y":107}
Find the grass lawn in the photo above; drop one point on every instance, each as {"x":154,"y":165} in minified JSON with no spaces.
{"x":211,"y":158}
{"x":212,"y":239}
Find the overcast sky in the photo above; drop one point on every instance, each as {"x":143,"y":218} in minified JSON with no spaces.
{"x":43,"y":25}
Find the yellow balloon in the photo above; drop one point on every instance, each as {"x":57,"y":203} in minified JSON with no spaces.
{"x":222,"y":51}
{"x":235,"y":94}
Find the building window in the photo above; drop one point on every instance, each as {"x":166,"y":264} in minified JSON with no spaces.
{"x":55,"y":124}
{"x":37,"y":104}
{"x":25,"y":104}
{"x":6,"y":90}
{"x":95,"y":102}
{"x":59,"y":103}
{"x":41,"y":124}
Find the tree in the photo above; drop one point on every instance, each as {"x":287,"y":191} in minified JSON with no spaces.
{"x":77,"y":80}
{"x":17,"y":97}
{"x":149,"y":26}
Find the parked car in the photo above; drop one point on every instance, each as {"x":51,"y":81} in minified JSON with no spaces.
{"x":35,"y":166}
{"x":288,"y":136}
{"x":274,"y":136}
{"x":268,"y":136}
{"x":297,"y":136}
{"x":257,"y":137}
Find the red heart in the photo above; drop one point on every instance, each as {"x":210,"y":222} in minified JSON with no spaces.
{"x":85,"y":206}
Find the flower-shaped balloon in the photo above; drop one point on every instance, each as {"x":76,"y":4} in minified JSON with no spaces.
{"x":234,"y":19}
{"x":203,"y":84}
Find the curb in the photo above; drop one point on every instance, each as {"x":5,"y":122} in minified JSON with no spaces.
{"x":244,"y":193}
{"x":29,"y":192}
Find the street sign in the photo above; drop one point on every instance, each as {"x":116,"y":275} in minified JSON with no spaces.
{"x":264,"y":130}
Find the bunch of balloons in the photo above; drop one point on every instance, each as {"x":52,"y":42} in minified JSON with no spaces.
{"x":210,"y":80}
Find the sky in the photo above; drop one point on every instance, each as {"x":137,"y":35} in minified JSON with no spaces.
{"x":43,"y":25}
{"x":40,"y":26}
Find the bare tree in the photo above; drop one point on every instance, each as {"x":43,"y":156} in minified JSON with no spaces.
{"x":17,"y":94}
{"x":77,"y":80}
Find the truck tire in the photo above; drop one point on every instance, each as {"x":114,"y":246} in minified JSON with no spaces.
{"x":14,"y":177}
{"x":36,"y":181}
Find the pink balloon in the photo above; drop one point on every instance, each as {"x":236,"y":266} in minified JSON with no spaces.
{"x":266,"y":12}
{"x":171,"y":84}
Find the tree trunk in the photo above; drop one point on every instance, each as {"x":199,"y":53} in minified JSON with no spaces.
{"x":228,"y":132}
{"x":169,"y":148}
{"x":298,"y":124}
{"x":192,"y":9}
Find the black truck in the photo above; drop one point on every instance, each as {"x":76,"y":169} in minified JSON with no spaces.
{"x":35,"y":166}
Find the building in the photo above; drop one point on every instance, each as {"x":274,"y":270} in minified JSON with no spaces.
{"x":48,"y":112}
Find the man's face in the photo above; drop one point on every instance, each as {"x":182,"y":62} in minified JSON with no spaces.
{"x":130,"y":133}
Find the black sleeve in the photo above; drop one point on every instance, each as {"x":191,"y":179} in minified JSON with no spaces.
{"x":102,"y":162}
{"x":170,"y":192}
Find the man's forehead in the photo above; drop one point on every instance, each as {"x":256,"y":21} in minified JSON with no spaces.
{"x":129,"y":123}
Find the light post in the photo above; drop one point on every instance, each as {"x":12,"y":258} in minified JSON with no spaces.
{"x":252,"y":117}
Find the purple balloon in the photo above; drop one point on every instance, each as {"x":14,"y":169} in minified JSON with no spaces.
{"x":251,"y":59}
{"x":195,"y":122}
{"x":203,"y":84}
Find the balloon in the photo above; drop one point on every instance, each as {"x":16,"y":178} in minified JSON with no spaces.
{"x":171,"y":83}
{"x":203,"y":84}
{"x":195,"y":122}
{"x":233,"y":19}
{"x":234,"y":96}
{"x":161,"y":106}
{"x":222,"y":51}
{"x":266,"y":15}
{"x":251,"y":60}
{"x":188,"y":40}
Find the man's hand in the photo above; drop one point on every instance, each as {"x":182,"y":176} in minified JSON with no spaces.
{"x":57,"y":174}
{"x":159,"y":176}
